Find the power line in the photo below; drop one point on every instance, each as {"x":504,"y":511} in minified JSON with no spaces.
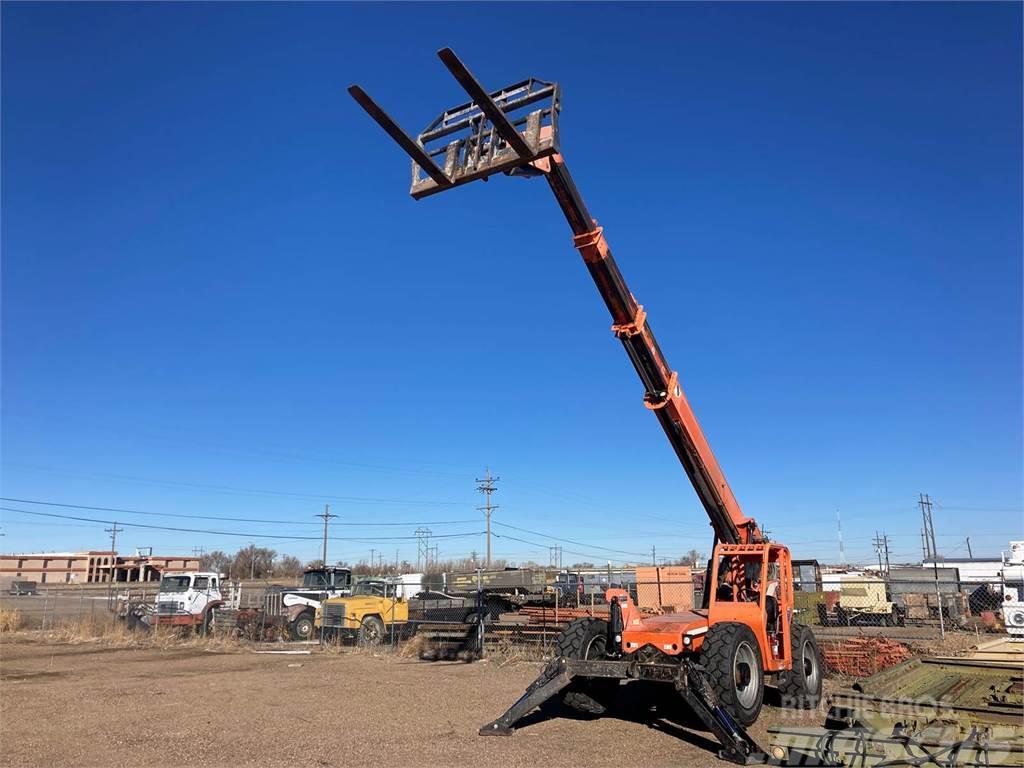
{"x":238,"y":534}
{"x":229,"y":489}
{"x":216,"y":517}
{"x":572,"y":541}
{"x":589,"y":555}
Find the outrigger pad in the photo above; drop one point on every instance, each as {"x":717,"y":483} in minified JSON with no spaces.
{"x":493,"y":132}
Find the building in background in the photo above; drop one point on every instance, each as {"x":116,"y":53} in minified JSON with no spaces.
{"x":92,"y":567}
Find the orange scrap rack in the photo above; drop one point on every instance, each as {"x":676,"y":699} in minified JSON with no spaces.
{"x":863,"y":656}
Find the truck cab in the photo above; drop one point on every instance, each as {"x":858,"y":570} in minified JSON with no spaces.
{"x":301,"y":604}
{"x":366,"y":614}
{"x":187,"y":599}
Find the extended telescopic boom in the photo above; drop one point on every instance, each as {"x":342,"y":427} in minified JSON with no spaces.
{"x":493,"y":140}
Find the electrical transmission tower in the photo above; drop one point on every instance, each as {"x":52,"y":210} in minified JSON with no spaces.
{"x":422,"y":548}
{"x":326,"y":515}
{"x":928,"y":528}
{"x":555,"y":557}
{"x":486,"y":487}
{"x":882,"y":550}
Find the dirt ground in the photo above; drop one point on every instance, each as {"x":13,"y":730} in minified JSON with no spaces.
{"x":89,"y":704}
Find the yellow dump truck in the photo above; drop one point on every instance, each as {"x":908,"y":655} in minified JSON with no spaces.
{"x":379,"y":607}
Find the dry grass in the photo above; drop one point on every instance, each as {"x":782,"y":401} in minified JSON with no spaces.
{"x":10,"y":621}
{"x":505,"y":652}
{"x":115,"y":634}
{"x":413,"y":648}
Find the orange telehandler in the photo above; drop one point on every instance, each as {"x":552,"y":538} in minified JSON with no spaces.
{"x":718,"y":656}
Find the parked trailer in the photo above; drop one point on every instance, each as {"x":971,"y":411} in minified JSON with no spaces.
{"x":917,"y":592}
{"x":22,"y":588}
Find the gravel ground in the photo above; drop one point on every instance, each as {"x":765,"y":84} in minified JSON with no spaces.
{"x":93,"y":705}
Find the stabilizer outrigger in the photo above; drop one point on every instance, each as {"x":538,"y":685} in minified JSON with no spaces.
{"x":737,"y":745}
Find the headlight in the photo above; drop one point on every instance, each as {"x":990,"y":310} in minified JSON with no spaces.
{"x":181,"y":606}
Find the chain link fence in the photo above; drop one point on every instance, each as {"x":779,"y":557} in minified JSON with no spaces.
{"x":861,"y":621}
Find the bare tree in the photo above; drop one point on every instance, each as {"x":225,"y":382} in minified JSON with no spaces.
{"x":217,"y":561}
{"x":287,"y":565}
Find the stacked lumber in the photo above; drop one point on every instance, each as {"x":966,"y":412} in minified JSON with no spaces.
{"x":863,"y":656}
{"x":538,"y":615}
{"x":538,"y":625}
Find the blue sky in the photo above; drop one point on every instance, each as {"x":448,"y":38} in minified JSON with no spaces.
{"x":219,"y":300}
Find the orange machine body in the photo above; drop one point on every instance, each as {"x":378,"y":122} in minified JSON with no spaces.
{"x":750,"y":584}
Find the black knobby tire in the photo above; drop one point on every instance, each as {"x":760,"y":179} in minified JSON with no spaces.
{"x":732,"y":659}
{"x":371,"y":631}
{"x":586,"y":639}
{"x":800,"y":687}
{"x":302,"y":628}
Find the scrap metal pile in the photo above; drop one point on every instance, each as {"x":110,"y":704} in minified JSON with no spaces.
{"x":862,"y":656}
{"x":932,"y":711}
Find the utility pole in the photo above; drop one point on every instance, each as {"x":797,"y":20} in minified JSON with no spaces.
{"x":486,"y":487}
{"x":113,"y":531}
{"x":925,"y":502}
{"x":969,"y":553}
{"x":252,"y":561}
{"x":372,"y":553}
{"x":839,"y":528}
{"x":325,"y":515}
{"x":654,"y":558}
{"x":396,"y":562}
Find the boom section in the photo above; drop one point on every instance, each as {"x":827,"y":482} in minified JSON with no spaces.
{"x":663,"y":393}
{"x":494,"y":132}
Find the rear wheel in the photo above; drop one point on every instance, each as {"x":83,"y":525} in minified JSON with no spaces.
{"x":587,"y":639}
{"x":371,"y":631}
{"x":732,"y":659}
{"x":801,"y":686}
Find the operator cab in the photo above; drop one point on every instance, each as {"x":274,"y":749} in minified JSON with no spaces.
{"x":751,"y":588}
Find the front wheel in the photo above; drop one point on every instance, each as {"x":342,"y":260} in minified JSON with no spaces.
{"x":732,"y":659}
{"x":587,"y":639}
{"x":371,"y":631}
{"x":302,"y":628}
{"x":801,"y":686}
